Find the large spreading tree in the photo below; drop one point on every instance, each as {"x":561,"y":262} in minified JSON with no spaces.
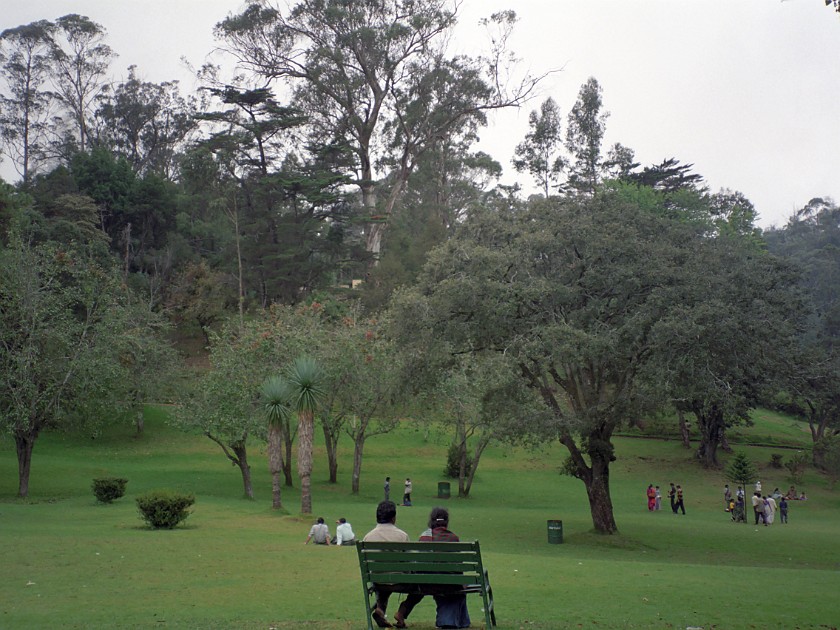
{"x":72,"y":346}
{"x":570,"y":291}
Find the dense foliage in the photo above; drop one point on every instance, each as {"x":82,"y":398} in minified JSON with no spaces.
{"x":357,"y":224}
{"x":164,"y":509}
{"x":108,"y":489}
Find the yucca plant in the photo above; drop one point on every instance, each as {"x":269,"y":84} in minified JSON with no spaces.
{"x":276,"y":394}
{"x":305,"y":379}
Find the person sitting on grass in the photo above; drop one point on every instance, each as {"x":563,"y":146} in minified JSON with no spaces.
{"x":344,"y":533}
{"x":319,"y":533}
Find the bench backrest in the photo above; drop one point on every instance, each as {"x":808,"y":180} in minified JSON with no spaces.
{"x":421,"y":562}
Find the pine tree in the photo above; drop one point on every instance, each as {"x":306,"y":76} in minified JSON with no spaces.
{"x":741,"y":471}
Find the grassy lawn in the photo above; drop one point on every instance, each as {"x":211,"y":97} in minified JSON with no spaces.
{"x":235,"y":563}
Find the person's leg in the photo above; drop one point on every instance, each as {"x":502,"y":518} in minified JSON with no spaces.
{"x":378,"y":613}
{"x":405,"y":608}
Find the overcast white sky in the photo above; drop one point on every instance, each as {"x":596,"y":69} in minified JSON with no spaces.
{"x":746,"y":90}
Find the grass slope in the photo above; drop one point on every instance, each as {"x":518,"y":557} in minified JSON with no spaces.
{"x":237,"y":564}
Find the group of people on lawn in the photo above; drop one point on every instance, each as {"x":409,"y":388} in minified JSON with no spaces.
{"x":319,"y":533}
{"x":764,"y":506}
{"x":675,"y":496}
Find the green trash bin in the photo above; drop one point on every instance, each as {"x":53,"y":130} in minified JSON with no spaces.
{"x":555,"y":532}
{"x":443,"y":490}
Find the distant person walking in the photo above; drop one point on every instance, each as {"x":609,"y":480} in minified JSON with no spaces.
{"x":783,"y":510}
{"x":407,"y":492}
{"x":651,"y":498}
{"x":758,"y":486}
{"x":387,"y":488}
{"x":672,"y":495}
{"x":658,"y":501}
{"x":769,"y":509}
{"x":679,"y":505}
{"x":758,"y":508}
{"x":727,"y":497}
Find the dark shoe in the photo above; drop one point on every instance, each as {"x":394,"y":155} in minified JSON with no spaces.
{"x":379,"y":618}
{"x":399,"y":617}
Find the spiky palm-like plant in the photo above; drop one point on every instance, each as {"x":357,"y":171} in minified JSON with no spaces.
{"x":276,"y":393}
{"x":305,"y":379}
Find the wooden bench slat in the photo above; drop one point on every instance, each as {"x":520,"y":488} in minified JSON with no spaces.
{"x":414,"y":556}
{"x":436,"y":566}
{"x":422,"y":578}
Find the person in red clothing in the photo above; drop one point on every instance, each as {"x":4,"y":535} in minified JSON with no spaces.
{"x":651,"y":497}
{"x":451,"y":609}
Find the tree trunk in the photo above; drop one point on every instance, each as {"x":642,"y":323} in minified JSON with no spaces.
{"x":244,"y":468}
{"x":358,"y":448}
{"x":724,"y":443}
{"x":818,"y":423}
{"x":139,"y":422}
{"x":684,"y":432}
{"x":596,"y":475}
{"x":24,"y":445}
{"x":818,"y":454}
{"x":331,"y":443}
{"x":597,"y":483}
{"x":305,"y":435}
{"x":287,"y":460}
{"x":275,"y":463}
{"x":710,"y":424}
{"x":236,"y":452}
{"x":373,"y":242}
{"x":479,"y":450}
{"x":462,"y":468}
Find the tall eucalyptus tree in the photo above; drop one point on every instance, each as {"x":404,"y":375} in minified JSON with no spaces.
{"x":375,"y":75}
{"x":25,"y":103}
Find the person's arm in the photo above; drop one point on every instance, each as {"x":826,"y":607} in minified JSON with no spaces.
{"x":339,"y":536}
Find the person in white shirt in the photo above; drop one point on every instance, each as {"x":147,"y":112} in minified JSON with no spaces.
{"x":344,"y":533}
{"x":770,"y":513}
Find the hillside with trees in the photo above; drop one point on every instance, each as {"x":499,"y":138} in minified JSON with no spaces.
{"x":322,"y":222}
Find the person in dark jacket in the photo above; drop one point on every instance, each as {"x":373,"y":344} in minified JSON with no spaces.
{"x":451,"y":609}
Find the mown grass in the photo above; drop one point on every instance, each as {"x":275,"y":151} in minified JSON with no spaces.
{"x":70,"y":562}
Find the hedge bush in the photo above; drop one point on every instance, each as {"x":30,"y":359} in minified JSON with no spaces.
{"x":107,"y":489}
{"x":164,"y":509}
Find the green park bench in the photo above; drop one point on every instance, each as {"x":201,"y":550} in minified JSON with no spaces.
{"x":427,"y":568}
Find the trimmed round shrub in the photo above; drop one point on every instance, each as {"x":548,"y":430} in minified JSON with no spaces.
{"x":107,"y":489}
{"x":164,"y":509}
